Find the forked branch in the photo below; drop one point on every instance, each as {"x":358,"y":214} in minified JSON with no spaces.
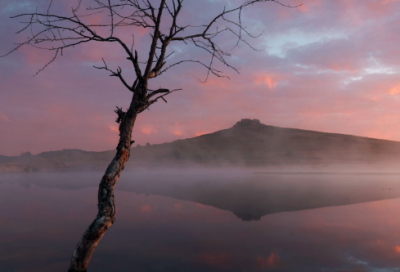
{"x":118,"y":74}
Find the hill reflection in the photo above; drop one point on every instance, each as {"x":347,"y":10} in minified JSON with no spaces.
{"x":46,"y":215}
{"x":252,"y":195}
{"x":249,"y":195}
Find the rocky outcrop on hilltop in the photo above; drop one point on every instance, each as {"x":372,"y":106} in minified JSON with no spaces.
{"x":247,"y":123}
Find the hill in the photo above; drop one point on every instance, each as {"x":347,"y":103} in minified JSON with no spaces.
{"x":247,"y":144}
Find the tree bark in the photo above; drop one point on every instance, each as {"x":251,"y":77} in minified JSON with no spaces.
{"x":106,"y":206}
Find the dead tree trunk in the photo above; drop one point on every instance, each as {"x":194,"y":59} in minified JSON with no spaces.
{"x":106,"y":206}
{"x":56,"y":33}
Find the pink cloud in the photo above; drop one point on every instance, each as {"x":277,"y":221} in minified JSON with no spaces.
{"x":200,"y":133}
{"x":145,"y":208}
{"x":148,"y":130}
{"x":269,"y":79}
{"x":4,"y":117}
{"x":388,"y":1}
{"x":380,"y":242}
{"x":272,"y":260}
{"x":114,"y":129}
{"x":395,"y":90}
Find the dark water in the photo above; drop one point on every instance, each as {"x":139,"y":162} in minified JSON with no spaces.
{"x":238,"y":222}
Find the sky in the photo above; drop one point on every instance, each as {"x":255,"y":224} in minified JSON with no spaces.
{"x":331,"y":66}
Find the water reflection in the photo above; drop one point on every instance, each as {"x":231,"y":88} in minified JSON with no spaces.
{"x":39,"y":227}
{"x":252,"y":195}
{"x":249,"y":195}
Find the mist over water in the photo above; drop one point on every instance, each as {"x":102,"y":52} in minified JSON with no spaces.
{"x":206,"y":220}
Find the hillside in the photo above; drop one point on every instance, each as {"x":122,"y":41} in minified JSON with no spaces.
{"x":247,"y":144}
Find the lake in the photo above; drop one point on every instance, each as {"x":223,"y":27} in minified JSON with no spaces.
{"x":205,"y":221}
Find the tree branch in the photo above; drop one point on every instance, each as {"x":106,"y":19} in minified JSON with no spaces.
{"x":155,"y":39}
{"x":148,"y":103}
{"x":116,"y":74}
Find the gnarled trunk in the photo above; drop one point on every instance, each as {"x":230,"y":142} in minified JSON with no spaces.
{"x":106,"y":208}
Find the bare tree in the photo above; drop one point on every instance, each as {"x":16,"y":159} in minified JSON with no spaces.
{"x":56,"y":33}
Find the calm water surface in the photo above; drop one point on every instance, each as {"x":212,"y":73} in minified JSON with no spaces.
{"x":43,"y":216}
